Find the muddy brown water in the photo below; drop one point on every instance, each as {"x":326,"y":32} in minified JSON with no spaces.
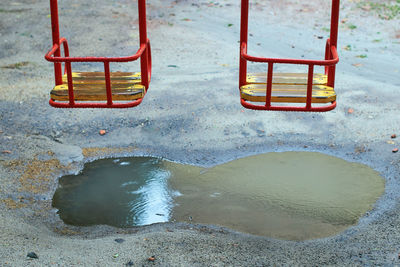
{"x":287,"y":195}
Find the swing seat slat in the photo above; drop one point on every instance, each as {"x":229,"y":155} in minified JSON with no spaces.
{"x":98,"y":77}
{"x":287,"y":78}
{"x":91,"y":86}
{"x":288,"y":88}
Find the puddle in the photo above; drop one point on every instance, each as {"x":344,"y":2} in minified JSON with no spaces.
{"x":120,"y":193}
{"x":289,"y":195}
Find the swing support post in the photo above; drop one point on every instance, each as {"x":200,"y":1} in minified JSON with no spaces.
{"x":333,"y":41}
{"x":244,"y":25}
{"x":56,"y":40}
{"x":144,"y":60}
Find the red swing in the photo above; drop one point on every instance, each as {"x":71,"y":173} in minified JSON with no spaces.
{"x":98,"y":89}
{"x":315,"y":90}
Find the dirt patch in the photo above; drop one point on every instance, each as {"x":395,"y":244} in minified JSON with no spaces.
{"x":36,"y":175}
{"x":12,"y":204}
{"x":98,"y":152}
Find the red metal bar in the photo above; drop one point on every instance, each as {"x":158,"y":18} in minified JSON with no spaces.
{"x":66,"y":51}
{"x":288,"y":108}
{"x":332,"y":61}
{"x":149,"y":62}
{"x":95,"y":105}
{"x":70,"y":83}
{"x":145,"y":67}
{"x":333,"y":38}
{"x":269,"y":84}
{"x":309,"y":85}
{"x":143,"y":41}
{"x":244,"y":25}
{"x":56,"y":39}
{"x":142,"y":22}
{"x":328,"y":54}
{"x":334,"y":22}
{"x":49,"y":56}
{"x":108,"y":82}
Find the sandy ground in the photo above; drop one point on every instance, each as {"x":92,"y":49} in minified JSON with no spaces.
{"x":191,"y":114}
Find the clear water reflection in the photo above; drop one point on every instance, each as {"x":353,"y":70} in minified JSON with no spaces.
{"x":115,"y":192}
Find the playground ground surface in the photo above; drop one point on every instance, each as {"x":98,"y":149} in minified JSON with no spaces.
{"x":192,"y":114}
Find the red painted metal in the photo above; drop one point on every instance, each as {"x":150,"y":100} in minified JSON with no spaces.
{"x":330,"y":61}
{"x":269,"y":84}
{"x":56,"y":40}
{"x":54,"y":55}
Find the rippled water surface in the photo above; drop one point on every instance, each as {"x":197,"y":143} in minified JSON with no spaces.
{"x":289,"y":195}
{"x":117,"y":192}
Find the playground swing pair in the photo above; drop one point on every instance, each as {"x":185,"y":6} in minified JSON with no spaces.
{"x":126,"y":89}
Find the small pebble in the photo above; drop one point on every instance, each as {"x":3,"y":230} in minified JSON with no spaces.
{"x":102,"y":132}
{"x":393,"y":136}
{"x":119,"y":240}
{"x":395,"y":150}
{"x":350,"y":110}
{"x":32,"y":255}
{"x":129,"y":263}
{"x":152,"y":258}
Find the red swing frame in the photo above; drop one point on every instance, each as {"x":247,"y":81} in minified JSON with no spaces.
{"x":54,"y":55}
{"x":330,"y":61}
